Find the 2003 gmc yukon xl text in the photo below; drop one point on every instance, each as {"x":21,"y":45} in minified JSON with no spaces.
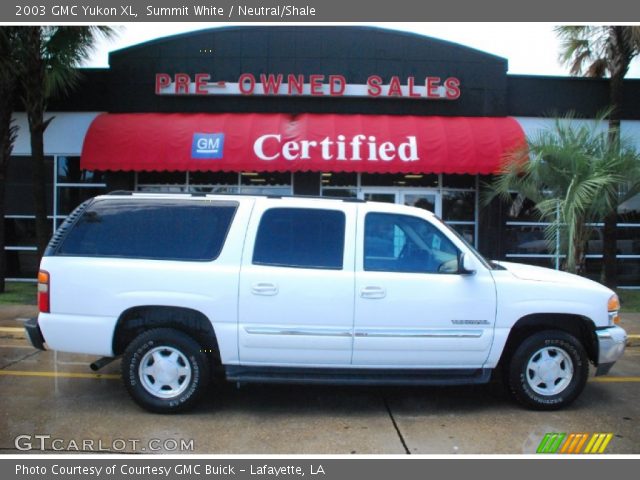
{"x":310,"y":290}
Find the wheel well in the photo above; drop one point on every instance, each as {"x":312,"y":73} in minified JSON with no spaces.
{"x":136,"y":320}
{"x":580,"y":327}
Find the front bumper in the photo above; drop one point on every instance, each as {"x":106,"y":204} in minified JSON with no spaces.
{"x":34,"y":334}
{"x":611,"y":344}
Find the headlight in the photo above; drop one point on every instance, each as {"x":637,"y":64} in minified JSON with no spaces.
{"x":614,"y":309}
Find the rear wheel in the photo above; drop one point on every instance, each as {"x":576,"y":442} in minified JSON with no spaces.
{"x":165,"y":370}
{"x":548,"y":370}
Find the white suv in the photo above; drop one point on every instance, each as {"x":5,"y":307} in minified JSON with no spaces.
{"x":276,"y":289}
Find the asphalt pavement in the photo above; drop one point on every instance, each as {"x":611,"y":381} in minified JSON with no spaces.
{"x":53,"y":402}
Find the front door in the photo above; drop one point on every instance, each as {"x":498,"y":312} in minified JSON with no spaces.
{"x":412,"y":308}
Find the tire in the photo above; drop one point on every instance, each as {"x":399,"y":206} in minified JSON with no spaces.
{"x":180,"y":383}
{"x":548,"y":370}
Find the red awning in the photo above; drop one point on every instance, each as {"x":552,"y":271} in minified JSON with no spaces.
{"x":307,"y":142}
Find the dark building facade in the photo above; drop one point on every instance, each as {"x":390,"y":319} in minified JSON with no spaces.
{"x":332,"y":111}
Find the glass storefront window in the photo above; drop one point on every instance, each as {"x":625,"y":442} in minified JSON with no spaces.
{"x":629,"y":210}
{"x":213,"y":178}
{"x":521,"y":209}
{"x":628,"y":271}
{"x":457,"y":205}
{"x":628,"y":240}
{"x":459,"y":181}
{"x":161,"y":188}
{"x":380,"y":197}
{"x":69,"y":172}
{"x":467,"y":231}
{"x":222,"y":189}
{"x":258,"y":179}
{"x":266,"y":190}
{"x":426,"y":201}
{"x":339,"y":179}
{"x":525,"y":239}
{"x":70,"y":197}
{"x":546,"y":262}
{"x":399,"y":180}
{"x":165,"y":178}
{"x":340,"y":192}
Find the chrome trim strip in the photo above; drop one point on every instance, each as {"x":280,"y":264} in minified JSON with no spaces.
{"x":314,"y":332}
{"x":371,"y":333}
{"x":419,"y":333}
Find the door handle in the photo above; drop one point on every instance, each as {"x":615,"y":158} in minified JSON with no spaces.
{"x":373,"y":292}
{"x":266,"y":289}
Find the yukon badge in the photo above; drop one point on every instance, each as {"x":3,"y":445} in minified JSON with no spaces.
{"x":470,"y":322}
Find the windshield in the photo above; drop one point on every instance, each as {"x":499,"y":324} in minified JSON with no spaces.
{"x":487,"y":263}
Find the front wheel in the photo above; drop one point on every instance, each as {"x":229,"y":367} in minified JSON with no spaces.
{"x":548,"y":370}
{"x":165,"y":371}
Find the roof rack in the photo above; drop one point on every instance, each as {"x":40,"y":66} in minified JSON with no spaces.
{"x":120,"y":192}
{"x":227,"y":194}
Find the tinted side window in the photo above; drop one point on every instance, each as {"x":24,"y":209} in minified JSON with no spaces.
{"x":151,"y":229}
{"x":300,"y":237}
{"x":402,"y":243}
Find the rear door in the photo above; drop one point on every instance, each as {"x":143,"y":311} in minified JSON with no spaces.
{"x":297,"y":284}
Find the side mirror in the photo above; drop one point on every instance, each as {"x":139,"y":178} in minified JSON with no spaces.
{"x":466,"y":266}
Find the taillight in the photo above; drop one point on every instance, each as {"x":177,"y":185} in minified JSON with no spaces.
{"x":43,"y":292}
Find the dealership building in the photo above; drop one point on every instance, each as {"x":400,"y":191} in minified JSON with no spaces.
{"x":353,"y":112}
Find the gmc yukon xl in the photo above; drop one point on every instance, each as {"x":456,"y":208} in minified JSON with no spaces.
{"x":190,"y":288}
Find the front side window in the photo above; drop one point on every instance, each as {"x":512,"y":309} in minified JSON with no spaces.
{"x":402,"y":243}
{"x":300,"y":238}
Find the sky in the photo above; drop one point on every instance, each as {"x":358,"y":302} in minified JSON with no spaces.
{"x":530,"y":48}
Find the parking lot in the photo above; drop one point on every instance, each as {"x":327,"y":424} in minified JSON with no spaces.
{"x":52,"y":401}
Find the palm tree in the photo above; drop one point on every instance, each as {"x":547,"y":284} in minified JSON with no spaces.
{"x":597,"y":51}
{"x":572,"y":173}
{"x":49,"y":56}
{"x":8,"y":70}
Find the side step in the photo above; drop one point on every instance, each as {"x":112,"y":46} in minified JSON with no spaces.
{"x":347,"y":376}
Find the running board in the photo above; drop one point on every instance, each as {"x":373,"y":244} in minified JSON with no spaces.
{"x":346,"y":376}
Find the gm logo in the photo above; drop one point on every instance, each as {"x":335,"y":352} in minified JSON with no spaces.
{"x":207,"y":145}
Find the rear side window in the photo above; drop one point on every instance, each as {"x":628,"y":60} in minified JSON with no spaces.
{"x":300,"y":237}
{"x":150,"y":229}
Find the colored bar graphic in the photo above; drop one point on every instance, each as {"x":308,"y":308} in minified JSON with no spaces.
{"x":572,"y":443}
{"x":551,"y":442}
{"x":605,"y":443}
{"x":598,"y":443}
{"x":585,"y":436}
{"x":542,"y":448}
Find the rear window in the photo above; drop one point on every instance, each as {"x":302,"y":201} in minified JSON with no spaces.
{"x":150,"y":229}
{"x":301,"y":238}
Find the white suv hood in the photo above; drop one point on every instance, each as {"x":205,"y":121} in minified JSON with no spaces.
{"x":540,"y":274}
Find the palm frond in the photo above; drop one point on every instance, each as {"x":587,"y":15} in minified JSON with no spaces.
{"x":64,"y":48}
{"x":574,"y":175}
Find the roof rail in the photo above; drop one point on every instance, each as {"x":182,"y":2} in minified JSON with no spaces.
{"x":120,"y":192}
{"x":228,"y":194}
